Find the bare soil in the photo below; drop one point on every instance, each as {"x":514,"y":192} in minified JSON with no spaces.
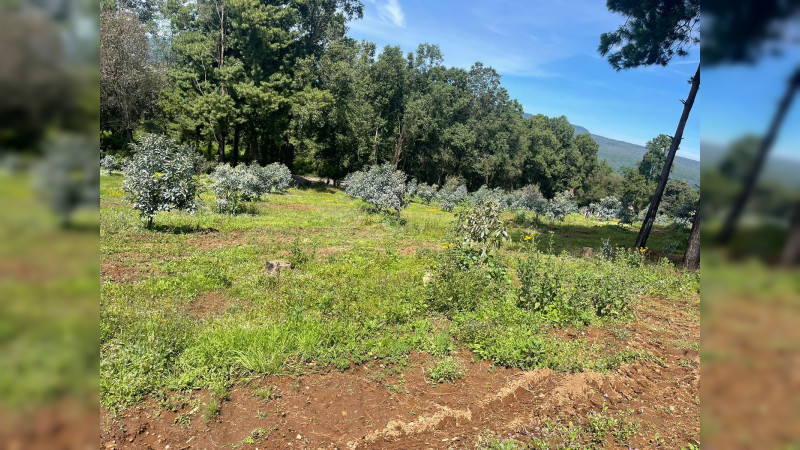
{"x":397,"y":407}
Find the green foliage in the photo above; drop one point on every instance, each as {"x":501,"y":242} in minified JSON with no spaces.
{"x":481,"y":227}
{"x":636,"y":192}
{"x":447,"y":370}
{"x":67,"y":177}
{"x":530,"y":198}
{"x":452,"y":194}
{"x":381,"y":186}
{"x":205,"y":316}
{"x":654,"y":32}
{"x":561,"y":205}
{"x":234,"y":185}
{"x":161,"y":176}
{"x":608,"y":208}
{"x":653,"y":161}
{"x":109,"y":163}
{"x":462,"y":282}
{"x":427,"y":192}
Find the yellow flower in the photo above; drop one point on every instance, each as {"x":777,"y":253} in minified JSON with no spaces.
{"x":527,"y":238}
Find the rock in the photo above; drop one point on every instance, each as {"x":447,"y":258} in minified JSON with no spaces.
{"x":588,"y":251}
{"x":275,"y":267}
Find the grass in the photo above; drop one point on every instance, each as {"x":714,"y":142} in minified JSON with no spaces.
{"x":48,"y":299}
{"x":592,"y":431}
{"x":188,"y":305}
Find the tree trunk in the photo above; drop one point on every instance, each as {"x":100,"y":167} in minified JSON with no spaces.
{"x":221,"y":149}
{"x":252,"y":146}
{"x":236,"y":136}
{"x":650,"y":218}
{"x":791,"y":249}
{"x":149,"y":222}
{"x":691,"y":258}
{"x":738,"y":206}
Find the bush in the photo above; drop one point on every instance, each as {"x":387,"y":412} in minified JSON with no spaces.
{"x":231,"y":186}
{"x":481,"y":227}
{"x":447,"y":370}
{"x":68,"y":177}
{"x":109,"y":163}
{"x":161,"y":176}
{"x":427,"y":192}
{"x":235,"y":185}
{"x":561,"y":205}
{"x":381,"y":186}
{"x":568,"y":290}
{"x":273,"y":178}
{"x":530,"y":198}
{"x":411,"y":188}
{"x":608,"y":207}
{"x":452,"y":193}
{"x":461,"y":283}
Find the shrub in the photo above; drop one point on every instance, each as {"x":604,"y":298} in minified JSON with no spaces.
{"x":161,"y":176}
{"x":562,"y":204}
{"x":568,"y":290}
{"x":447,"y":370}
{"x":109,"y":163}
{"x":452,"y":193}
{"x":530,"y":198}
{"x":481,"y":227}
{"x":231,"y":186}
{"x":381,"y":186}
{"x":234,"y":185}
{"x":273,"y":178}
{"x":460,"y":283}
{"x":427,"y":192}
{"x":608,"y":207}
{"x":411,"y":188}
{"x":68,"y":178}
{"x":626,"y":214}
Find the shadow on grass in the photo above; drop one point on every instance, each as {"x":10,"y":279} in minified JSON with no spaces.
{"x":183,"y":229}
{"x":306,"y":184}
{"x":573,"y":237}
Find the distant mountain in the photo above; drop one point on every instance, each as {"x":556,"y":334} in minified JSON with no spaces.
{"x":777,"y":168}
{"x":620,"y":154}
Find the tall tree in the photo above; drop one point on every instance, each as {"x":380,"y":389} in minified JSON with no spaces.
{"x":652,"y":162}
{"x":754,"y":170}
{"x":655,"y":32}
{"x":743,"y":33}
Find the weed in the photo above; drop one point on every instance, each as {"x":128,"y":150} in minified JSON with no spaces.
{"x":211,"y":410}
{"x":447,"y":370}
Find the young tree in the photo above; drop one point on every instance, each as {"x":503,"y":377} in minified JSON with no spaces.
{"x":655,"y":32}
{"x":161,"y":176}
{"x":481,"y":226}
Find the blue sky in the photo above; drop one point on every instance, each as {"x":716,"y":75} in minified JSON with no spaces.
{"x":547,"y":55}
{"x":742,"y":99}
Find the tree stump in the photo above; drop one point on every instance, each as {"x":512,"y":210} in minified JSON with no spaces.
{"x":275,"y":267}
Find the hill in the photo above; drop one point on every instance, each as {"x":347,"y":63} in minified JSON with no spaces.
{"x":776,"y":168}
{"x":620,"y":154}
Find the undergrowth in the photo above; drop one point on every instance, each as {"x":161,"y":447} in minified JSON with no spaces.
{"x":188,"y":305}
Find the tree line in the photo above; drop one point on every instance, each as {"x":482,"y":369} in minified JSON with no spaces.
{"x":266,"y":81}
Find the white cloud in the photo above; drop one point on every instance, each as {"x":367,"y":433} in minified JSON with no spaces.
{"x":391,"y":11}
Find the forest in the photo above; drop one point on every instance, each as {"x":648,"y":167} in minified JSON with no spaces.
{"x":255,"y":82}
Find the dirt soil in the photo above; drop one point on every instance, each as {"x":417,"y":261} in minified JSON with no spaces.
{"x":397,"y":407}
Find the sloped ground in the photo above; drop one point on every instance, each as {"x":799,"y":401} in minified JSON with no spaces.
{"x":372,"y":406}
